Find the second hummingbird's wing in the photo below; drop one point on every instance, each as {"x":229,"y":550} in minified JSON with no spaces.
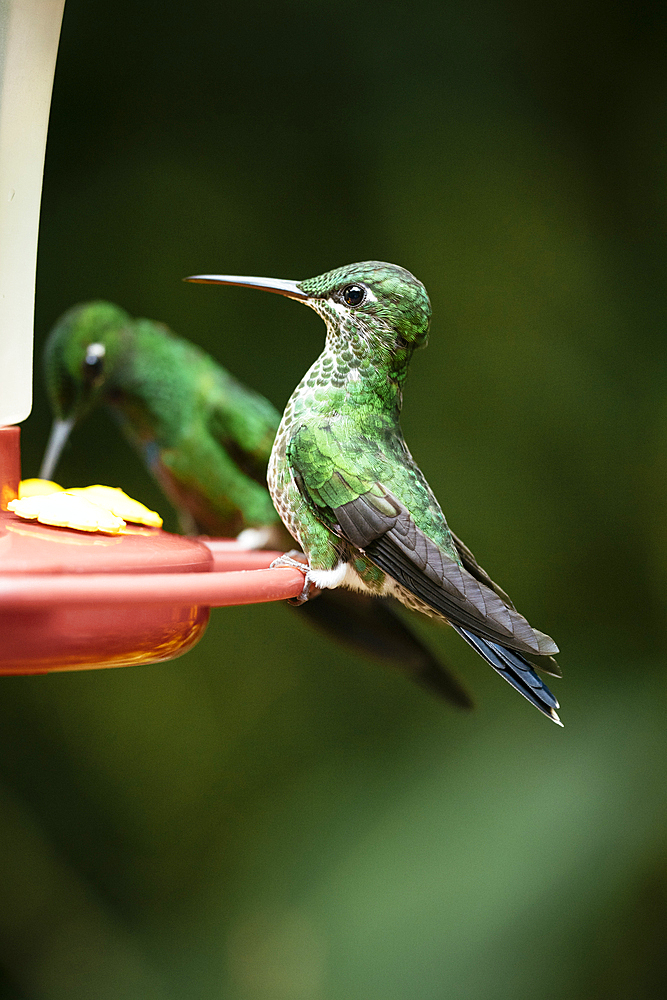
{"x":213,"y":464}
{"x":372,"y":626}
{"x":243,"y":423}
{"x":205,"y":482}
{"x":344,"y":486}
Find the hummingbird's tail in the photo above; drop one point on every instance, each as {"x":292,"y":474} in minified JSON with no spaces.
{"x":516,"y":670}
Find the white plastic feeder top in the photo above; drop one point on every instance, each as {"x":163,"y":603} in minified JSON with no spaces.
{"x":29,"y":33}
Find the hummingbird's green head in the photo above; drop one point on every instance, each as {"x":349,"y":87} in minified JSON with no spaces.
{"x":383,"y":301}
{"x":80,"y":354}
{"x":379,"y":312}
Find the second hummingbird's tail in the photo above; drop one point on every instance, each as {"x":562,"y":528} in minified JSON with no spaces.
{"x":516,"y":670}
{"x":372,"y":627}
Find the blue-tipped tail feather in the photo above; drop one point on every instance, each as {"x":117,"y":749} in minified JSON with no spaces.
{"x":516,"y":670}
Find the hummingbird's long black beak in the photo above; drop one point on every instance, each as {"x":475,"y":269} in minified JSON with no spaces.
{"x":60,"y":431}
{"x":279,"y":285}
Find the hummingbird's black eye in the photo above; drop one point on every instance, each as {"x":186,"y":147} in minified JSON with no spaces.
{"x":93,"y":363}
{"x":354,"y":295}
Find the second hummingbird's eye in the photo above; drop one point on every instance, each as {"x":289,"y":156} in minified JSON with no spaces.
{"x":354,"y":295}
{"x":93,"y":363}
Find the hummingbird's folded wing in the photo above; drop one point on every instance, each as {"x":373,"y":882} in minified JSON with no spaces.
{"x":408,"y":555}
{"x":469,"y":562}
{"x":547,"y":663}
{"x":343,"y":492}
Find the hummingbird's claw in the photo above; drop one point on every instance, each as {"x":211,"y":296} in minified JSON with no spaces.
{"x":295,"y":559}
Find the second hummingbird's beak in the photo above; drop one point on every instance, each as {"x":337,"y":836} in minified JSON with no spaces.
{"x":279,"y":285}
{"x":60,"y":432}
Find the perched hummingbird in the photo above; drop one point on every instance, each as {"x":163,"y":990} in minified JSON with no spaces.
{"x":347,"y":488}
{"x":207,"y":439}
{"x":203,"y":435}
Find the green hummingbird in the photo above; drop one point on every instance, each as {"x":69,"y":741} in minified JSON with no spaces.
{"x":203,"y":435}
{"x":347,"y":488}
{"x":206,"y":438}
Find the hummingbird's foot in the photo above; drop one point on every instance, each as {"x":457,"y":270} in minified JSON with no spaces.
{"x":295,"y":559}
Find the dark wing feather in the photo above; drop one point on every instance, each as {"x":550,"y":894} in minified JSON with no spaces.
{"x":547,"y":663}
{"x":470,"y":563}
{"x":387,"y":533}
{"x":363,"y":520}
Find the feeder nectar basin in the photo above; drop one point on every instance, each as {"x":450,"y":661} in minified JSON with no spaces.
{"x":71,"y":600}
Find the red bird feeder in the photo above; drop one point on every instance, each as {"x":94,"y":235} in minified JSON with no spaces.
{"x":68,"y":599}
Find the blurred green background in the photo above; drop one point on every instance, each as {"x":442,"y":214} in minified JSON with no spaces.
{"x":270,"y":818}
